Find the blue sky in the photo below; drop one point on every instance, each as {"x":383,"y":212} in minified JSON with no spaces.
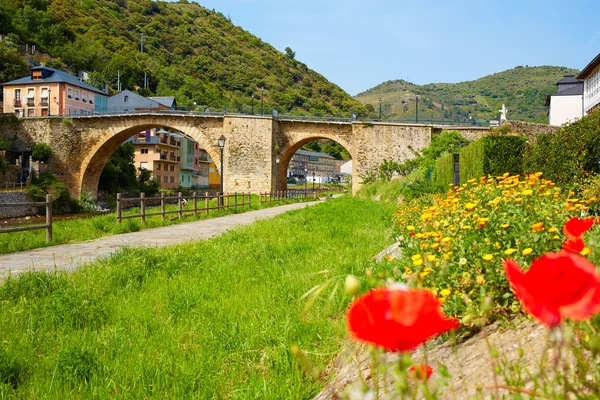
{"x":359,"y":44}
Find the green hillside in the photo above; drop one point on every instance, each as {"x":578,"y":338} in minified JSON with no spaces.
{"x":522,"y":89}
{"x":190,"y":52}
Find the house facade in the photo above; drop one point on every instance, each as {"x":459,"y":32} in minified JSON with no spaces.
{"x":48,"y":91}
{"x":566,"y":105}
{"x":591,"y":87}
{"x":160,"y":152}
{"x":128,"y":102}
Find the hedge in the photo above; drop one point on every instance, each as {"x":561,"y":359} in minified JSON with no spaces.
{"x":493,"y":155}
{"x":571,"y":153}
{"x":444,"y":169}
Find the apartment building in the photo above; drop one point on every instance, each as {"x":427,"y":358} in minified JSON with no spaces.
{"x":48,"y":91}
{"x":591,"y":86}
{"x":160,"y":152}
{"x":304,"y":163}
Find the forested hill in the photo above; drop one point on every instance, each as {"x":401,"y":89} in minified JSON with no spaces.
{"x":522,"y":89}
{"x":190,"y":52}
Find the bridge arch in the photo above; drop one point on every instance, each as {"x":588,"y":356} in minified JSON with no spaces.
{"x":294,"y":136}
{"x":110,"y":139}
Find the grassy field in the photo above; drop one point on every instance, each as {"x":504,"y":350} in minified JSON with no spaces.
{"x":78,"y":230}
{"x":214,"y":319}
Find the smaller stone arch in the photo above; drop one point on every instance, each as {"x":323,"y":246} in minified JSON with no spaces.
{"x":286,"y":154}
{"x":112,"y":138}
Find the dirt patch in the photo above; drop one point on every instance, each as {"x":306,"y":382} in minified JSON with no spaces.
{"x":469,"y":362}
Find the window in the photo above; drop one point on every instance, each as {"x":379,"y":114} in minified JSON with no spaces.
{"x":157,"y":166}
{"x":126,"y":99}
{"x":144,"y":165}
{"x":172,"y":168}
{"x":211,"y":169}
{"x":17,"y":97}
{"x":182,"y":178}
{"x":165,"y":179}
{"x":144,"y":150}
{"x":76,"y":94}
{"x":84,"y":97}
{"x":189,"y":179}
{"x":172,"y":179}
{"x":166,"y":167}
{"x":45,"y":93}
{"x":31,"y":97}
{"x":157,"y":177}
{"x":92,"y":98}
{"x":19,"y":113}
{"x":31,"y":112}
{"x":69,"y":93}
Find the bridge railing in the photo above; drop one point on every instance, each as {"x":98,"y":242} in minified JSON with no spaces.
{"x":295,"y":194}
{"x":225,"y":201}
{"x":187,"y":111}
{"x":12,"y":186}
{"x":47,"y":226}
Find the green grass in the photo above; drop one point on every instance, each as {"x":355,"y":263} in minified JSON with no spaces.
{"x":211,"y":319}
{"x":389,"y":191}
{"x":78,"y":230}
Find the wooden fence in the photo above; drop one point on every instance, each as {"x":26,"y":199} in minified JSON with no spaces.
{"x":226,"y":201}
{"x":294,"y":194}
{"x":47,"y":226}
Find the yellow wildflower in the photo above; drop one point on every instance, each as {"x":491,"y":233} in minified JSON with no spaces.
{"x":585,"y":251}
{"x":480,"y":280}
{"x":508,"y":252}
{"x":415,"y":257}
{"x":431,"y":258}
{"x":445,"y":292}
{"x":527,"y":251}
{"x":488,"y":257}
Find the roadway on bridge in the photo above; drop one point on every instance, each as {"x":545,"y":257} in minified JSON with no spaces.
{"x":71,"y":256}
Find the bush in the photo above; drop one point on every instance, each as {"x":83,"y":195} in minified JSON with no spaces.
{"x":49,"y":184}
{"x":492,"y":155}
{"x":387,"y":169}
{"x":444,"y":169}
{"x":5,"y":144}
{"x":568,"y":155}
{"x":440,"y":144}
{"x":420,"y":188}
{"x":41,"y":152}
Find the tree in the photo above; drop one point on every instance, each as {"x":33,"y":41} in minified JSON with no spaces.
{"x":12,"y":64}
{"x":119,"y":172}
{"x":291,"y":54}
{"x":145,"y":182}
{"x":41,"y":152}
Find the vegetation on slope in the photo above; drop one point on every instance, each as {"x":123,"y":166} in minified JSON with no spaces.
{"x":522,"y":89}
{"x":189,"y":52}
{"x":212,"y":319}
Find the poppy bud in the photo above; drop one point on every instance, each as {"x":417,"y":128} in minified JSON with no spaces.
{"x":351,"y":285}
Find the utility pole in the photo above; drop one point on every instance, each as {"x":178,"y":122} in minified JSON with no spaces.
{"x":142,"y":44}
{"x":262,"y":93}
{"x":119,"y":80}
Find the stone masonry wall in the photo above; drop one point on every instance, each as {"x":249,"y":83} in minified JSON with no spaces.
{"x":377,"y":142}
{"x":12,"y":212}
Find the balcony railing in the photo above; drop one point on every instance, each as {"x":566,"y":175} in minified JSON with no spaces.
{"x":30,"y":102}
{"x":163,"y":156}
{"x":44,"y":102}
{"x":18,"y":103}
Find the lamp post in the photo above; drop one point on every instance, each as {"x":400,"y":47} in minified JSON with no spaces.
{"x":262,"y":103}
{"x":252,"y":103}
{"x":277,"y":174}
{"x":313,"y":181}
{"x":305,"y":181}
{"x":380,"y":109}
{"x":221,"y":142}
{"x":417,"y":107}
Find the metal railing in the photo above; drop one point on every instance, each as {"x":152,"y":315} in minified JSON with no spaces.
{"x":6,"y":186}
{"x":47,"y":226}
{"x":229,"y":201}
{"x":189,"y":112}
{"x":295,"y":194}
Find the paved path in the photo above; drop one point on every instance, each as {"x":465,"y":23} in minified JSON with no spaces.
{"x":70,"y":256}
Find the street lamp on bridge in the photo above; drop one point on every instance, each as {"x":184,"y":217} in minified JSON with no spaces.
{"x":313,"y":181}
{"x":380,"y":109}
{"x":305,"y":181}
{"x":252,"y":103}
{"x":262,"y":93}
{"x":277,"y":174}
{"x":221,"y":143}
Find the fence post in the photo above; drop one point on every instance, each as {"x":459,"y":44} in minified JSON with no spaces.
{"x":227,"y":201}
{"x":235,"y":201}
{"x":207,"y":202}
{"x":119,"y":219}
{"x":249,"y":200}
{"x":218,"y":201}
{"x":243,"y":200}
{"x":48,"y":218}
{"x":143,"y":207}
{"x":163,"y":208}
{"x":180,"y":204}
{"x":195,"y":194}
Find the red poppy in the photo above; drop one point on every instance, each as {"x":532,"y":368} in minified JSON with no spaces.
{"x":558,"y":285}
{"x":576,"y":227}
{"x":574,"y":245}
{"x":412,"y":234}
{"x":420,"y":372}
{"x":397,"y":319}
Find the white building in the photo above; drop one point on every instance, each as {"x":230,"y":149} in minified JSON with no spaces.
{"x":566,"y":105}
{"x":346,"y":168}
{"x":591,"y":87}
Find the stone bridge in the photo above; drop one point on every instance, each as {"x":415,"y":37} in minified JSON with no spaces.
{"x":82,"y":145}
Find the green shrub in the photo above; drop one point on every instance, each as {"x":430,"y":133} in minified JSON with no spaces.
{"x":5,"y":144}
{"x":568,"y":155}
{"x":440,"y":144}
{"x":493,"y":155}
{"x":444,"y":169}
{"x":387,"y":169}
{"x":49,"y":184}
{"x":420,"y":188}
{"x":41,"y":152}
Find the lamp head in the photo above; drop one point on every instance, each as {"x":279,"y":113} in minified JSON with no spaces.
{"x":221,"y":141}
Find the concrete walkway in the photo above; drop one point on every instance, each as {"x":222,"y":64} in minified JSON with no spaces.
{"x":70,"y":256}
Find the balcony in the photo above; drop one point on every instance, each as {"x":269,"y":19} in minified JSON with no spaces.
{"x":44,"y":102}
{"x":163,"y":156}
{"x":30,"y":103}
{"x":18,"y":103}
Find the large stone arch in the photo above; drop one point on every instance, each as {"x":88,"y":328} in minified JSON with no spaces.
{"x":295,"y":134}
{"x":111,"y":138}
